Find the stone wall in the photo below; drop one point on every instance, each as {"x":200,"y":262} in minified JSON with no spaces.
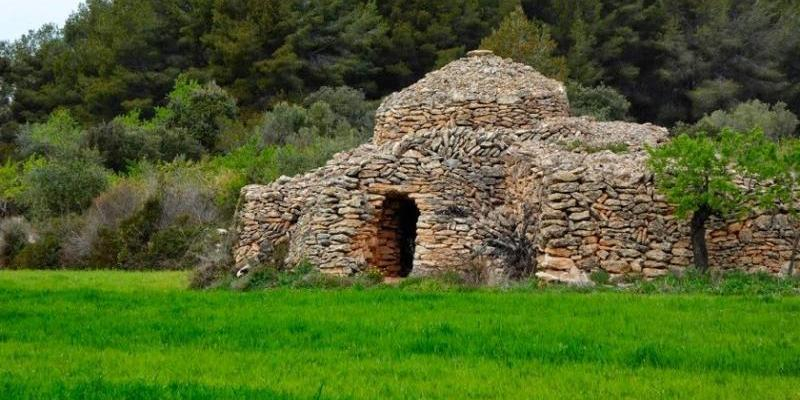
{"x":594,"y":209}
{"x":484,"y":150}
{"x":601,"y":212}
{"x":393,"y":124}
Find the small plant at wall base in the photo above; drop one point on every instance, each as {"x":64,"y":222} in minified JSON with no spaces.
{"x":697,"y":175}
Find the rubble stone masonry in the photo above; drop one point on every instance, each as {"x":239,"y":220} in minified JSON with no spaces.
{"x":474,"y":153}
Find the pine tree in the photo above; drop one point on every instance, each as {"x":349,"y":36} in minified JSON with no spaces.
{"x":527,"y":42}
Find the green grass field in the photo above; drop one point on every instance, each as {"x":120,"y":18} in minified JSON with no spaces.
{"x":89,"y":335}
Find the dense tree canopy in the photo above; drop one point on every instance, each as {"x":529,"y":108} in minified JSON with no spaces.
{"x":674,"y":61}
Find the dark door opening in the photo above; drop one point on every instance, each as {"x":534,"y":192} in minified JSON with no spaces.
{"x":397,"y":235}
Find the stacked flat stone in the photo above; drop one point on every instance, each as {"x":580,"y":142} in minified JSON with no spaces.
{"x":479,"y":91}
{"x":475,"y":176}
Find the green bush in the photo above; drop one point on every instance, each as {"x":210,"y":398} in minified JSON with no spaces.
{"x":42,"y":254}
{"x":340,"y":112}
{"x":601,"y":102}
{"x":134,"y":235}
{"x":168,"y":247}
{"x":121,"y":145}
{"x":178,"y":143}
{"x":11,"y":183}
{"x":125,"y":198}
{"x":44,"y":249}
{"x":284,"y":120}
{"x":775,"y":121}
{"x":203,"y":110}
{"x":59,"y":135}
{"x":15,"y":234}
{"x":527,"y":41}
{"x":600,"y":277}
{"x":105,"y":250}
{"x":150,"y":220}
{"x":347,"y":104}
{"x":63,"y":185}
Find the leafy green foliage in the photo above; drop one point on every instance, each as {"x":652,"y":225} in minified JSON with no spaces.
{"x":674,"y":61}
{"x":15,"y":234}
{"x":775,"y":121}
{"x":527,"y":42}
{"x":121,"y":145}
{"x":697,"y":175}
{"x":340,"y":112}
{"x":203,"y":111}
{"x":61,"y":186}
{"x":43,"y":250}
{"x":602,"y":102}
{"x":41,"y":254}
{"x":695,"y":172}
{"x":60,"y":135}
{"x":11,"y":183}
{"x":777,"y":168}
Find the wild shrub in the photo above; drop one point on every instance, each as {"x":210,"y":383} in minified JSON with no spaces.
{"x":601,"y":102}
{"x":121,"y":145}
{"x":186,"y":196}
{"x":59,"y":135}
{"x":104,"y":251}
{"x":212,"y":255}
{"x":15,"y":234}
{"x":600,"y":277}
{"x":203,"y":110}
{"x":11,"y":184}
{"x":348,"y":104}
{"x":44,"y":251}
{"x":62,"y":186}
{"x":340,"y":112}
{"x":527,"y":41}
{"x":42,"y":254}
{"x":178,"y":143}
{"x":284,"y":120}
{"x":135,"y":233}
{"x":107,"y":212}
{"x":776,"y":121}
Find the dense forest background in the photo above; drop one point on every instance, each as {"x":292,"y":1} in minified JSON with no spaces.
{"x":126,"y":134}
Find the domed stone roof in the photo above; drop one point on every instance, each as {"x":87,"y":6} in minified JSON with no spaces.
{"x":481,"y":90}
{"x":481,"y":77}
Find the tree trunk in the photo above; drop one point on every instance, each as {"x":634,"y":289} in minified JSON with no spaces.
{"x":699,"y":249}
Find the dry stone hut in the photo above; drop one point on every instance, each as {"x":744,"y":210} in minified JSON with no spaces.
{"x":479,"y":166}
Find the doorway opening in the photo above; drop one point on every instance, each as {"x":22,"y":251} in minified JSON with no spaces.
{"x":397,"y":235}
